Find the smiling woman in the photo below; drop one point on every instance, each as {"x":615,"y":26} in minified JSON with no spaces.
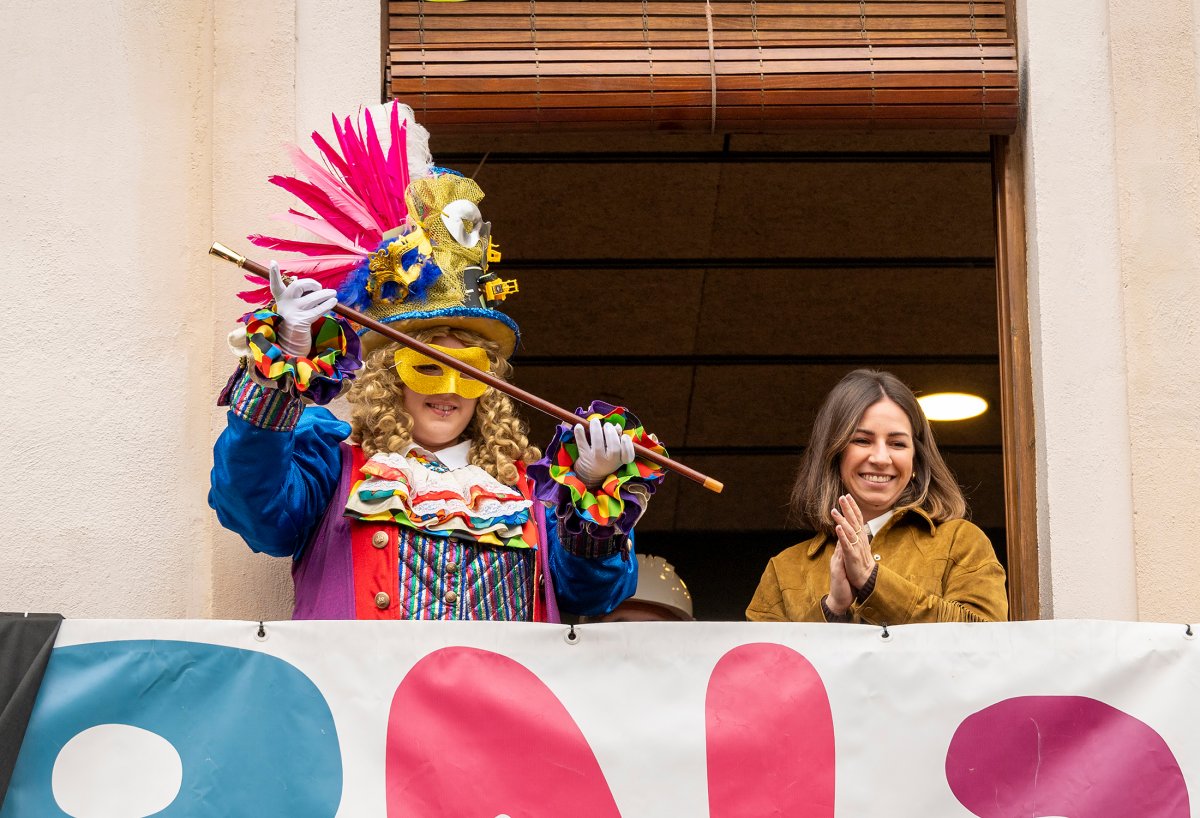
{"x":892,"y":544}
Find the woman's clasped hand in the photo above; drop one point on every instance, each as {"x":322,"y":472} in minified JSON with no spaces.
{"x":851,"y":565}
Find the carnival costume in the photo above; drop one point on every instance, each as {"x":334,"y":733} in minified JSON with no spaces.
{"x":410,"y":534}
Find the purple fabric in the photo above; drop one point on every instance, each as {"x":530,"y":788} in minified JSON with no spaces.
{"x":324,"y":573}
{"x":223,"y":399}
{"x":543,"y":556}
{"x":345,"y":367}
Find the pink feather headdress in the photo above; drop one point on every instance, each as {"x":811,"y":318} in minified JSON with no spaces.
{"x":355,"y":198}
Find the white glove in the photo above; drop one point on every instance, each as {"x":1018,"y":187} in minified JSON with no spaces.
{"x":601,"y":451}
{"x":299,"y":304}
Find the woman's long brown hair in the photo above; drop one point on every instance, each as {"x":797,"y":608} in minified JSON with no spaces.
{"x":818,"y":481}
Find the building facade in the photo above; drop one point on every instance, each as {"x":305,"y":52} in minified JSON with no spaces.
{"x":131,"y":155}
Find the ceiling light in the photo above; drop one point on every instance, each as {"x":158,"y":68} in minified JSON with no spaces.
{"x":952,"y":405}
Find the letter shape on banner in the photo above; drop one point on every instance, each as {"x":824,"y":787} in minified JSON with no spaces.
{"x":253,"y":735}
{"x":1063,"y":755}
{"x":770,"y":736}
{"x":475,"y":733}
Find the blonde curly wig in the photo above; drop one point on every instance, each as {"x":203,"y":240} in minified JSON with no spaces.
{"x":499,"y":438}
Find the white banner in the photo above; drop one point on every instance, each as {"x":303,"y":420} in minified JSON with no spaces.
{"x":644,"y":720}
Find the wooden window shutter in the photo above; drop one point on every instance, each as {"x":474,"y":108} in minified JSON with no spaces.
{"x":761,"y":64}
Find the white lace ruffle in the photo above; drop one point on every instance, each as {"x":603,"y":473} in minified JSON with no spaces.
{"x":438,"y":500}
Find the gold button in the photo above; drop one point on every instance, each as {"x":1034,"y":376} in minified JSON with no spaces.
{"x":380,"y":540}
{"x":382,"y":600}
{"x":451,"y":567}
{"x":451,"y":597}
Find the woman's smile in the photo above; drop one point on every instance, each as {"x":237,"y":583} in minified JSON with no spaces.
{"x":877,"y":478}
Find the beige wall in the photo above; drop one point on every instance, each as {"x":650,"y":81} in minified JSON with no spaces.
{"x":1157,"y":127}
{"x":1113,"y":211}
{"x":1085,"y":512}
{"x":106,"y":163}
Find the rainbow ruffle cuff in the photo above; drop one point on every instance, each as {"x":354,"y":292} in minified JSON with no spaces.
{"x":335,"y":356}
{"x":620,"y":500}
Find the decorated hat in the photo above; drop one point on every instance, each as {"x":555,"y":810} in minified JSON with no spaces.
{"x":400,"y":240}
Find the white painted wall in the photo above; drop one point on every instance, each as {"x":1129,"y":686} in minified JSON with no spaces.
{"x":106,"y":162}
{"x":1113,"y":210}
{"x":122,"y":161}
{"x":1085,"y":508}
{"x":282,"y":68}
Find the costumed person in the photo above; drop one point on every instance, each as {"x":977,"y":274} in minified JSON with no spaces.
{"x":661,"y":595}
{"x":429,"y":504}
{"x":892,"y":545}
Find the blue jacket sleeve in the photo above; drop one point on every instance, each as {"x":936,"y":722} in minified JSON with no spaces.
{"x":272,"y":487}
{"x":589,"y":586}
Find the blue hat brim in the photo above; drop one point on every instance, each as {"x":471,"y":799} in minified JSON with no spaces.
{"x":491,"y":324}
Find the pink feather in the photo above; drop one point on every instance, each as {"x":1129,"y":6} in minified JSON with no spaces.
{"x":340,"y":194}
{"x":316,"y":198}
{"x":327,"y":265}
{"x":260,"y":295}
{"x":355,"y":199}
{"x":342,"y":140}
{"x":397,"y":175}
{"x":362,"y":179}
{"x":308,"y":248}
{"x":326,"y":278}
{"x":354,"y":179}
{"x":379,"y":167}
{"x":322,"y":229}
{"x":330,"y":154}
{"x":329,"y":272}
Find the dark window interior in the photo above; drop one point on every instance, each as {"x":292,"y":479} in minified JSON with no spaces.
{"x":719,"y":285}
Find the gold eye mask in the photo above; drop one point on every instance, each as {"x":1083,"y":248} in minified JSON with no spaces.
{"x":426,"y":376}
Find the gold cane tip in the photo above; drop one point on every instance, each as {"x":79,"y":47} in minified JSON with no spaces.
{"x":221,"y":251}
{"x":714,"y":485}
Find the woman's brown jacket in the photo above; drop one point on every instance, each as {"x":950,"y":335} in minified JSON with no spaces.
{"x":928,"y":572}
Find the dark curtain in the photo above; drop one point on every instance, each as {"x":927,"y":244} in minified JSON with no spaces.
{"x":25,"y":644}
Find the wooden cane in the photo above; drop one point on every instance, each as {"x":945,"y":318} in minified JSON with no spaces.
{"x":557,"y":412}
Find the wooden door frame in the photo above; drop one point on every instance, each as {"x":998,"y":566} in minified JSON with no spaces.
{"x":1016,"y":379}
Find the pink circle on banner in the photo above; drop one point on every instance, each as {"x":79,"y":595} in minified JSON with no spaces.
{"x":471,"y":732}
{"x":770,"y":736}
{"x":1063,"y":755}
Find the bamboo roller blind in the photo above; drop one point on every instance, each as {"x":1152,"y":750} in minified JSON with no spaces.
{"x":756,"y":64}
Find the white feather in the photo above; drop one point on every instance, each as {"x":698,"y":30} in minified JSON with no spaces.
{"x":420,"y":160}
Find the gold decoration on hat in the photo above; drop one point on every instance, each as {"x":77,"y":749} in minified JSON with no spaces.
{"x":387,"y":266}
